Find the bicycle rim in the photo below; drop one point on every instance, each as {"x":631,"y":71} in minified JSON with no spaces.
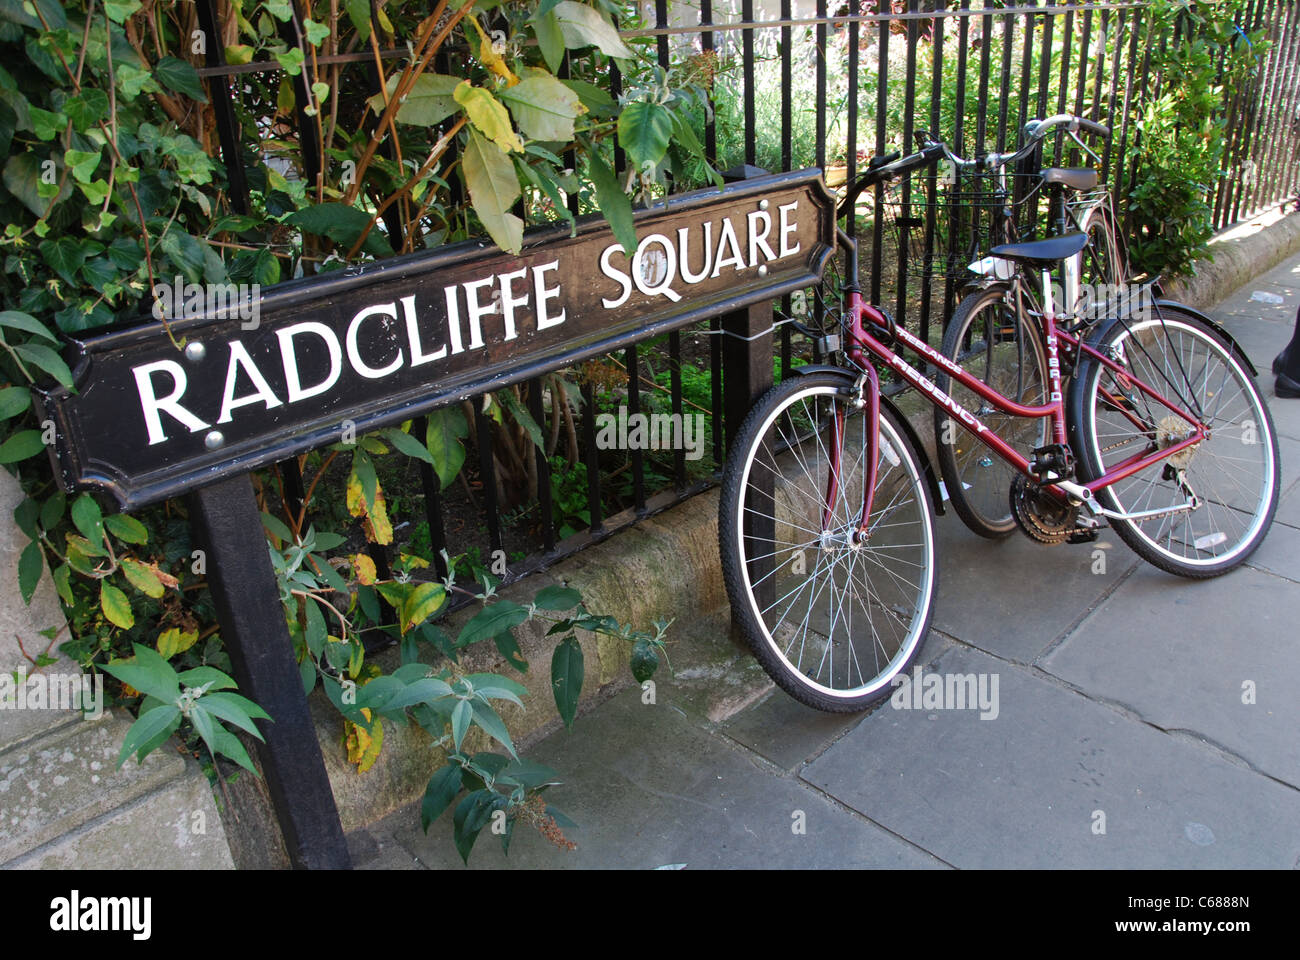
{"x":1234,"y":472}
{"x":830,"y":619}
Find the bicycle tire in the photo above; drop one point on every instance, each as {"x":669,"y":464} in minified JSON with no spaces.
{"x":879,"y":596}
{"x":1006,"y":353}
{"x":1174,"y":352}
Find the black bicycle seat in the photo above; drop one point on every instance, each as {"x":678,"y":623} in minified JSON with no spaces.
{"x":1075,"y":178}
{"x":1043,"y":252}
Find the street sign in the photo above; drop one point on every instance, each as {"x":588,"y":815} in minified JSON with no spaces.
{"x":371,"y":346}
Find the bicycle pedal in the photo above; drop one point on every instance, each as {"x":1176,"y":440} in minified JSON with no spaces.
{"x":1083,"y":535}
{"x":1052,"y":463}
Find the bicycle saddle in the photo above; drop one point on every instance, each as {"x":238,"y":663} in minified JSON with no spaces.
{"x":1043,"y":252}
{"x":1075,"y":178}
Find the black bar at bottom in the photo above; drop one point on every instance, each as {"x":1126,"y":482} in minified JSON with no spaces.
{"x":229,"y":526}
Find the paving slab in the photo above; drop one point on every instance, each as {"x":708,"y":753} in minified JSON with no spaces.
{"x":1279,"y":554}
{"x":784,"y":731}
{"x":61,"y":781}
{"x":1025,"y":790}
{"x":651,"y":789}
{"x":176,"y":827}
{"x":1177,"y":653}
{"x":1014,"y":597}
{"x":1288,"y":507}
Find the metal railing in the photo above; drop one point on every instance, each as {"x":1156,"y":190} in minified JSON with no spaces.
{"x":972,"y":72}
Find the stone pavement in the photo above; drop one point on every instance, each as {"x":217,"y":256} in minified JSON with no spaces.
{"x":1121,"y":738}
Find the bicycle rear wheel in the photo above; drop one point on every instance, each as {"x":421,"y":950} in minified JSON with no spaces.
{"x":993,"y":343}
{"x":1234,"y":473}
{"x":831,"y":620}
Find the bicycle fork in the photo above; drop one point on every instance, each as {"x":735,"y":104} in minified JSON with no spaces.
{"x":865,"y":394}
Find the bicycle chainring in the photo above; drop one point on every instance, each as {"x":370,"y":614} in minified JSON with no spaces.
{"x":1041,"y":516}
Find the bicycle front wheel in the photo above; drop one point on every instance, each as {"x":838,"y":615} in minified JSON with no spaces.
{"x":1209,"y":505}
{"x":832,"y":617}
{"x":992,"y":342}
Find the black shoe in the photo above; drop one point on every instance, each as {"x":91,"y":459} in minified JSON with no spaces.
{"x":1285,"y":387}
{"x":1280,"y":360}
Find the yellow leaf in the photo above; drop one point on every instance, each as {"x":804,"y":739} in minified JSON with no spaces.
{"x":490,"y":58}
{"x":173,"y":641}
{"x":363,"y":568}
{"x":375,"y":522}
{"x":363,"y":747}
{"x":421,"y":603}
{"x":488,"y":115}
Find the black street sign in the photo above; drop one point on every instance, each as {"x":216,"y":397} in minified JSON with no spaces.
{"x":375,"y":345}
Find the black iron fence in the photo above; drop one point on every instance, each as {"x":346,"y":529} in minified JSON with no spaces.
{"x":797,"y":84}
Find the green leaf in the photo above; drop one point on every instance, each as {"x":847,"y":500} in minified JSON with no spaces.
{"x":316,"y":32}
{"x":45,"y":124}
{"x":487,"y":116}
{"x":442,"y":436}
{"x":644,"y":129}
{"x":644,"y":660}
{"x":429,"y":101}
{"x":178,"y":75}
{"x":20,"y":446}
{"x":546,"y":27}
{"x":490,"y":720}
{"x":30,"y":565}
{"x":359,"y":14}
{"x":148,"y":672}
{"x":493,"y":619}
{"x":52,"y":509}
{"x":598,"y":102}
{"x":126,"y":528}
{"x":522,"y":416}
{"x":493,"y":189}
{"x":186,"y":252}
{"x":566,"y":678}
{"x":198,"y":676}
{"x":86,"y":108}
{"x":342,"y":224}
{"x":64,"y":256}
{"x":26,"y":322}
{"x":89,"y":519}
{"x":408,"y":445}
{"x":543,"y":107}
{"x":143,"y":578}
{"x":63,"y":583}
{"x":508,"y":647}
{"x":557,"y":598}
{"x":277,"y":528}
{"x":583,"y":26}
{"x":438,"y":795}
{"x":82,"y":164}
{"x":149,"y":727}
{"x":460,"y":718}
{"x":531,"y":775}
{"x":233,"y":708}
{"x":471,"y":816}
{"x":119,"y":11}
{"x":291,"y":60}
{"x":47,"y":360}
{"x":613,"y":202}
{"x":23,"y":176}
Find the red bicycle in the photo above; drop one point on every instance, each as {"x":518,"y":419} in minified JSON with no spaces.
{"x":827,"y":507}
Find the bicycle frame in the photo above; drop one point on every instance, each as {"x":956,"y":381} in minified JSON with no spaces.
{"x":862,"y":342}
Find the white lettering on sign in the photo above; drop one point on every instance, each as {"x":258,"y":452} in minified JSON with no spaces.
{"x":289,"y":356}
{"x":380,"y":339}
{"x":153,"y":404}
